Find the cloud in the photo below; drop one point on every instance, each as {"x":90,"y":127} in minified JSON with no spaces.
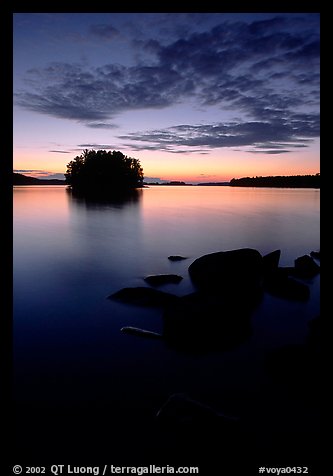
{"x":274,"y":151}
{"x":60,"y":151}
{"x":101,"y":125}
{"x":98,"y":146}
{"x":267,"y":71}
{"x":297,"y":130}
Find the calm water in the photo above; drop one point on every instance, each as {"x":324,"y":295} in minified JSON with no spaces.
{"x":75,"y":371}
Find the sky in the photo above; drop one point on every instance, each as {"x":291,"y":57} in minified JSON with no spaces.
{"x":197,"y":97}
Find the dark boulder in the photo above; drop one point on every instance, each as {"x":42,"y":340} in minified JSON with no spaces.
{"x":315,"y":254}
{"x":143,"y":296}
{"x":306,"y":267}
{"x":160,"y":279}
{"x":201,"y":322}
{"x":271,"y":261}
{"x":237,"y":272}
{"x":282,"y":285}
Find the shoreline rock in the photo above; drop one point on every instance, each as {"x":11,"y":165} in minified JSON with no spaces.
{"x":238,"y":272}
{"x":144,"y":296}
{"x":160,"y":279}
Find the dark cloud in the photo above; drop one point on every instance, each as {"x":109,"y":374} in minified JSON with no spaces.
{"x":264,"y":137}
{"x":60,"y":151}
{"x":101,"y":125}
{"x":97,"y":146}
{"x":272,"y":151}
{"x":266,"y":70}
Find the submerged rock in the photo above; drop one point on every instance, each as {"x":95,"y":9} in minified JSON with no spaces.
{"x":239,"y":272}
{"x":176,"y":258}
{"x":141,"y":332}
{"x":143,"y":296}
{"x":160,"y":279}
{"x":180,"y":408}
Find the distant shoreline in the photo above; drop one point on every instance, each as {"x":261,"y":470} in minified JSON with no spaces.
{"x":279,"y":181}
{"x":20,"y":179}
{"x":290,"y":181}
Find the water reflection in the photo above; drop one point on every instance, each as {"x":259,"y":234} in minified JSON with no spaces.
{"x":71,"y":252}
{"x":98,"y":200}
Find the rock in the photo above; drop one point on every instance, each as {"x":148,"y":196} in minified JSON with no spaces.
{"x":306,"y":267}
{"x":238,"y":272}
{"x":271,"y":261}
{"x":181,"y":409}
{"x":315,"y":254}
{"x":143,"y":296}
{"x":176,"y":258}
{"x":160,"y":279}
{"x":141,"y":332}
{"x":287,"y":271}
{"x":280,"y":284}
{"x":201,"y":322}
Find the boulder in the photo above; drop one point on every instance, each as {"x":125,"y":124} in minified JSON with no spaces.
{"x":201,"y":322}
{"x":271,"y":261}
{"x":237,"y":272}
{"x":306,"y":267}
{"x":282,"y":285}
{"x":144,"y":296}
{"x":315,"y":254}
{"x":160,"y":279}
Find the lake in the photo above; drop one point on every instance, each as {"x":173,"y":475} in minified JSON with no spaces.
{"x":84,"y":388}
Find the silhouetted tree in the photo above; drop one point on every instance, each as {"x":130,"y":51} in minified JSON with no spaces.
{"x":104,"y":171}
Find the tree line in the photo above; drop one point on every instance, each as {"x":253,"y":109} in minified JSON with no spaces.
{"x":292,"y":181}
{"x":104,"y":171}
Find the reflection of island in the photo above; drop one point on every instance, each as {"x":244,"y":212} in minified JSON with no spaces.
{"x":291,"y":181}
{"x":20,"y":179}
{"x":117,"y":199}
